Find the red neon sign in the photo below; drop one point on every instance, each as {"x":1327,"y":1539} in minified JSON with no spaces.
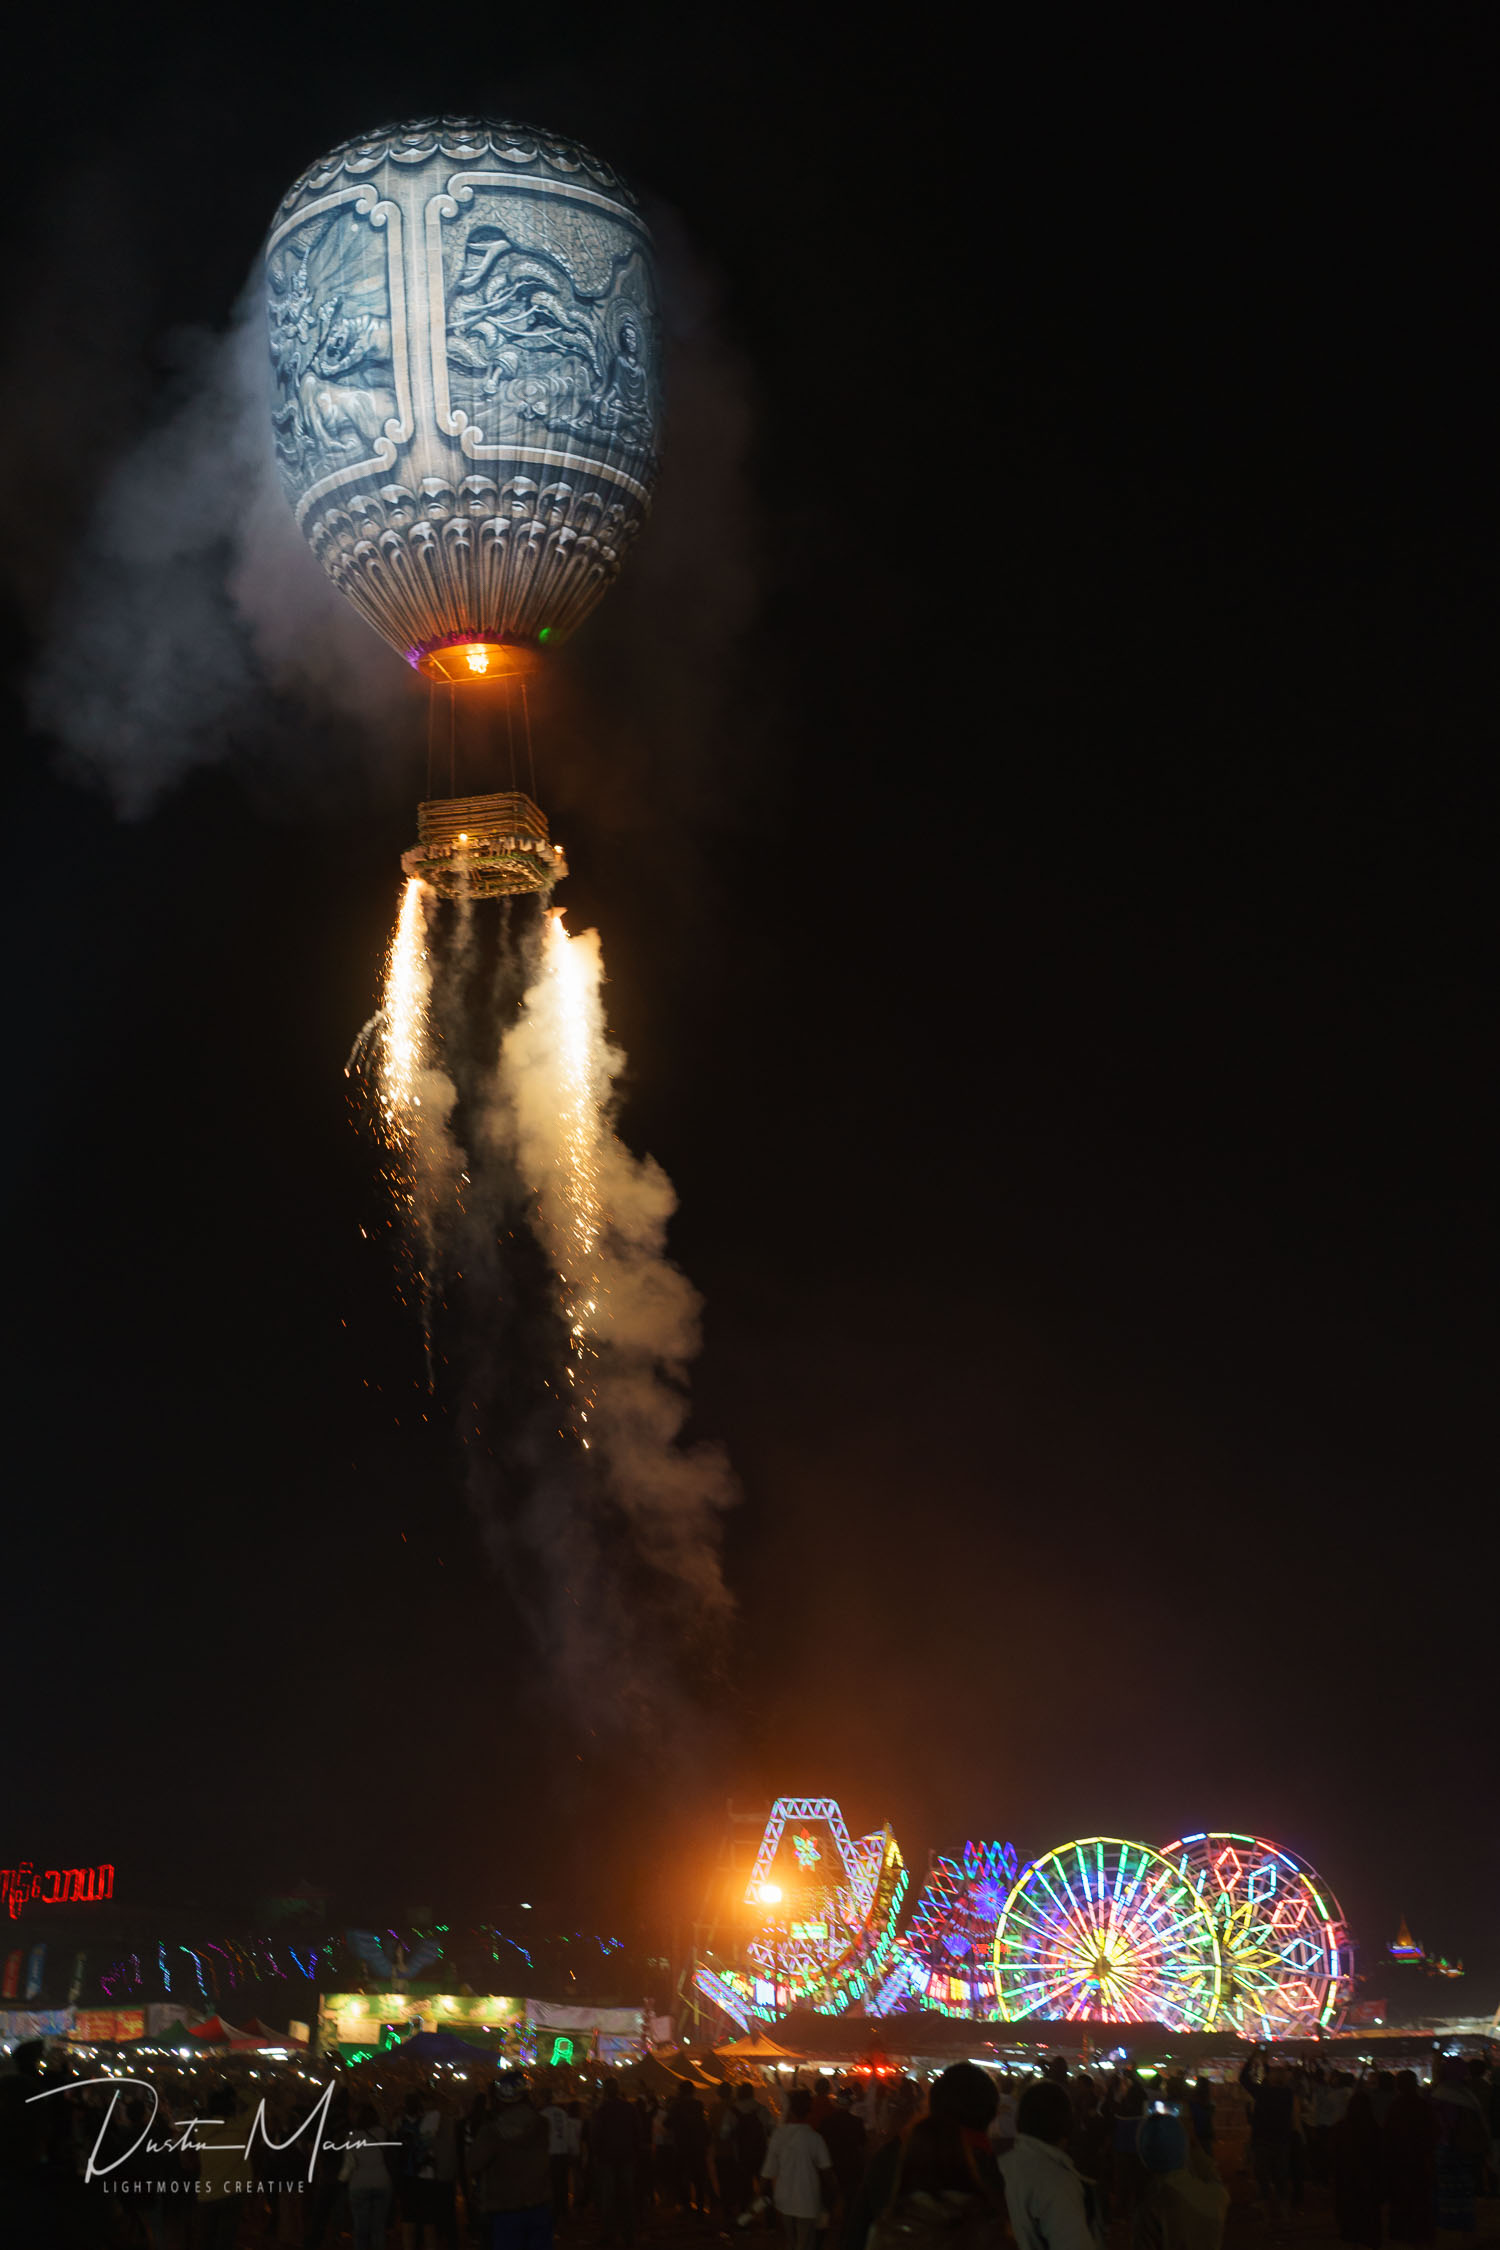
{"x":26,"y":1885}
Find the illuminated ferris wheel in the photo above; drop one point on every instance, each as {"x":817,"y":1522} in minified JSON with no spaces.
{"x":1102,"y":1931}
{"x":1287,"y":1967}
{"x":950,"y":1941}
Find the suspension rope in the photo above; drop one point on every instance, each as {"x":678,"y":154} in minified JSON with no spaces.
{"x":530,"y":759}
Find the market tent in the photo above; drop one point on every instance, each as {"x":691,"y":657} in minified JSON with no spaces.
{"x":444,"y":2046}
{"x":215,"y":2032}
{"x":760,"y":2048}
{"x":920,"y":2037}
{"x":650,"y":2074}
{"x":665,"y":2075}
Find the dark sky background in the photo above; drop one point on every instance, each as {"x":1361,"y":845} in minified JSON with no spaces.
{"x":1044,"y":917}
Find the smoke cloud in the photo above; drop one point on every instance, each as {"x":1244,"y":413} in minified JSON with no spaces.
{"x":568,"y":1347}
{"x":194,"y":620}
{"x":632,"y":1316}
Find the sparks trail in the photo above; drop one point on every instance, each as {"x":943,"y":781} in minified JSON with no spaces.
{"x":572,"y":1341}
{"x":555,"y":1070}
{"x":411,"y":1101}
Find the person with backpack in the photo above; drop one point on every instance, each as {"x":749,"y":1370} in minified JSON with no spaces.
{"x":1183,"y":2202}
{"x":938,"y":2187}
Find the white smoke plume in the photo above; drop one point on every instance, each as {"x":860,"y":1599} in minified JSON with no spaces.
{"x":573,"y":1403}
{"x":195,"y":612}
{"x":631,"y":1315}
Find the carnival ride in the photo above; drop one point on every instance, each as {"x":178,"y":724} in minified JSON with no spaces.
{"x":824,"y":1909}
{"x":945,"y":1961}
{"x":1104,"y":1931}
{"x":1287,"y":1964}
{"x":1215,"y":1932}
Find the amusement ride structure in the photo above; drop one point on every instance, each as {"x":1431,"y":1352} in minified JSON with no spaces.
{"x":1103,"y":1931}
{"x":1285,"y":1951}
{"x":1215,"y":1932}
{"x":945,"y":1961}
{"x":824,"y":1910}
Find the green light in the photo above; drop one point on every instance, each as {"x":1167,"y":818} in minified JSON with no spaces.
{"x":545,"y":634}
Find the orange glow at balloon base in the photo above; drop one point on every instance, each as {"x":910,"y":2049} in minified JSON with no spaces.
{"x":474,"y":661}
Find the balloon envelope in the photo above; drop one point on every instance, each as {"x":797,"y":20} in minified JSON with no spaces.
{"x":465,"y":361}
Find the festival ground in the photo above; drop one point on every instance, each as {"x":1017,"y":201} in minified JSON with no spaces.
{"x":1310,"y":2228}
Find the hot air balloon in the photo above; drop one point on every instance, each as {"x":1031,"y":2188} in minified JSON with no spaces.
{"x":465,"y":365}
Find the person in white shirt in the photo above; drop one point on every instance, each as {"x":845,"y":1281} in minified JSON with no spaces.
{"x":796,"y":2161}
{"x":1003,"y":2127}
{"x":1047,"y":2198}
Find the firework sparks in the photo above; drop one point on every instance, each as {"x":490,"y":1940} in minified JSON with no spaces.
{"x":562,"y":1029}
{"x":403,"y":1018}
{"x":411,"y":1096}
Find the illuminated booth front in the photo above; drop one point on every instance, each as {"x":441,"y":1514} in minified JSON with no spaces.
{"x":554,"y":2034}
{"x":361,"y":2024}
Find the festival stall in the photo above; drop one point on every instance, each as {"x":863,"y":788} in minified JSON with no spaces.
{"x":554,"y":2034}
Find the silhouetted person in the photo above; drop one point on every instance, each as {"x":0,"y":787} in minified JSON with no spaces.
{"x":1357,"y":2164}
{"x":614,"y":2145}
{"x":846,"y":2140}
{"x":947,"y":2152}
{"x":1273,"y":2128}
{"x":1183,"y":2202}
{"x":366,"y":2173}
{"x":1409,"y":2136}
{"x":507,"y":2164}
{"x":687,"y":2122}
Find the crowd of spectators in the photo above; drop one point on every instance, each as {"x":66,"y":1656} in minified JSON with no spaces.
{"x":393,"y":2156}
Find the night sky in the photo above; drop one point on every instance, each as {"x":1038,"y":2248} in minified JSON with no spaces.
{"x":1031,"y":791}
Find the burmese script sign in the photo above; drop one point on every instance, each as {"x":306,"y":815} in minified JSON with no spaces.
{"x":28,"y":1885}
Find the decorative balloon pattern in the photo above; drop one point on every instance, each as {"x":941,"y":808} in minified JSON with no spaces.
{"x":465,"y":372}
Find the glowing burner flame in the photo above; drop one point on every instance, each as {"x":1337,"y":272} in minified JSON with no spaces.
{"x":477,"y":659}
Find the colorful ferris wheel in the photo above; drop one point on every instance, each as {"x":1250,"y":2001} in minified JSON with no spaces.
{"x":1102,"y":1931}
{"x":950,"y":1940}
{"x":1287,"y":1961}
